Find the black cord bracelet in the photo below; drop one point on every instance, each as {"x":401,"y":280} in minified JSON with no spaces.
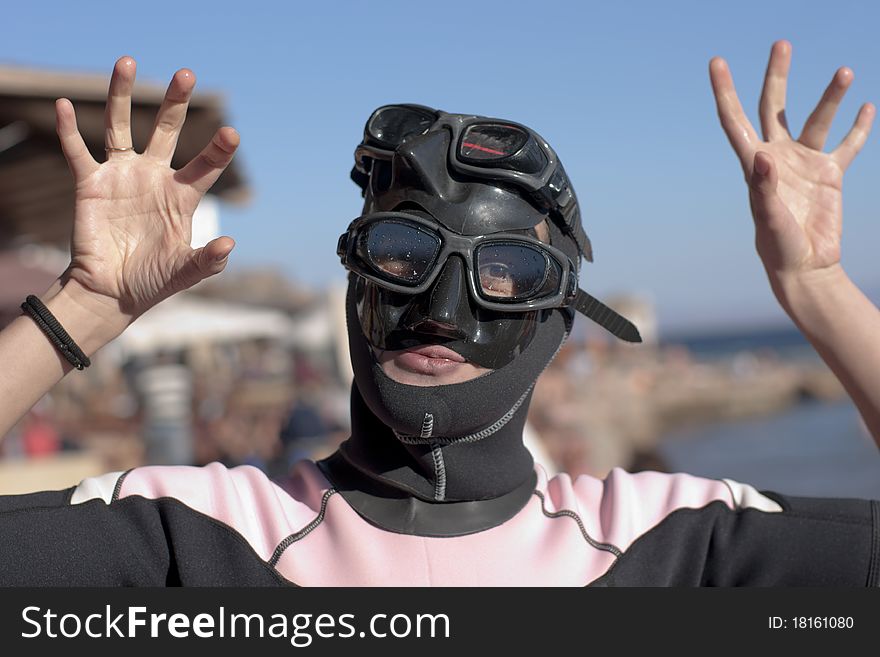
{"x":54,"y":331}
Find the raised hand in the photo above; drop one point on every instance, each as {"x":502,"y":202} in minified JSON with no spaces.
{"x":796,"y":196}
{"x":795,"y":188}
{"x":133,"y":216}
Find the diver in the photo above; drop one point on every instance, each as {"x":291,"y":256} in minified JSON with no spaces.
{"x":463,"y":285}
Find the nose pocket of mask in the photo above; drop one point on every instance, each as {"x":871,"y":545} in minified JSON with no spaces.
{"x":447,"y":299}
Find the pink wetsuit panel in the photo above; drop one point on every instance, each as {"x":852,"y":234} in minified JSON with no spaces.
{"x":543,"y":545}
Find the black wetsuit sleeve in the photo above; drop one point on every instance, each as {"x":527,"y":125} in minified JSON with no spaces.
{"x":811,"y":542}
{"x":134,"y":541}
{"x":46,"y":541}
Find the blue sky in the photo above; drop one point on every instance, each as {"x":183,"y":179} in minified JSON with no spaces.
{"x":619,"y":89}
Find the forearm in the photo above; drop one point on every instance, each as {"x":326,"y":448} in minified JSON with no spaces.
{"x":31,"y":363}
{"x":844,"y":327}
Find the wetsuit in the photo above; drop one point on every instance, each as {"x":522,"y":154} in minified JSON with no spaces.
{"x":217,"y":526}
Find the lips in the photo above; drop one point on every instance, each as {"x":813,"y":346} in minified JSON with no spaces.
{"x":436,"y":351}
{"x":429,"y":360}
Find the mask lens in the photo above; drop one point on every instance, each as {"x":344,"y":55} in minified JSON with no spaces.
{"x":402,"y":253}
{"x":513,"y":272}
{"x":487,"y":142}
{"x":391,"y":125}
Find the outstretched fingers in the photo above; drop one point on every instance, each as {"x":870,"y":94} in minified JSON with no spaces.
{"x":80,"y":161}
{"x":204,"y":169}
{"x":856,"y":137}
{"x":772,"y":105}
{"x":733,"y":119}
{"x":819,"y":123}
{"x":171,"y":116}
{"x":117,"y":112}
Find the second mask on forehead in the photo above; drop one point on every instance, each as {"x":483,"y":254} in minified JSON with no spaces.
{"x":418,"y":176}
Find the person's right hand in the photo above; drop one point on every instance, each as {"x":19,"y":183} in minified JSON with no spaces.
{"x":133,"y":217}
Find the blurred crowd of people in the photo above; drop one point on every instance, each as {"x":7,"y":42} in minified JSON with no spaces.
{"x":253,"y":402}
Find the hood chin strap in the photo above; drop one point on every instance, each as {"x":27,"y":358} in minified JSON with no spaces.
{"x":431,"y":489}
{"x":438,"y":469}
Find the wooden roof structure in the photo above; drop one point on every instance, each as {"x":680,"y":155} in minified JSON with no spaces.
{"x":36,"y":188}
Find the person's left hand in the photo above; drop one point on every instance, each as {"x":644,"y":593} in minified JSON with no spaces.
{"x":795,"y":188}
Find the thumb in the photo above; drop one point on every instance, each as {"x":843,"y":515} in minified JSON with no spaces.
{"x":778,"y":237}
{"x":210,"y":259}
{"x":767,"y":207}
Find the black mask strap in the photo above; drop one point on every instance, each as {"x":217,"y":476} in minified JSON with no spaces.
{"x":569,"y":220}
{"x":361,"y":179}
{"x":605,"y":317}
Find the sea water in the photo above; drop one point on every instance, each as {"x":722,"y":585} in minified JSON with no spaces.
{"x":813,"y":448}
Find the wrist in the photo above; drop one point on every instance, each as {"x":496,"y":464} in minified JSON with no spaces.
{"x":92,"y":320}
{"x":801,"y":294}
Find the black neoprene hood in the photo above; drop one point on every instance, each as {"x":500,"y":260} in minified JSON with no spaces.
{"x":460,"y":442}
